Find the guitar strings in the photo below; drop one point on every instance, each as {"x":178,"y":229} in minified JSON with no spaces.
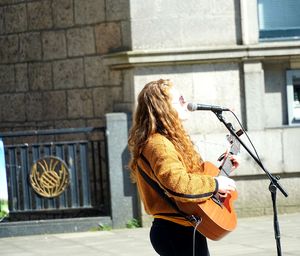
{"x":243,"y":129}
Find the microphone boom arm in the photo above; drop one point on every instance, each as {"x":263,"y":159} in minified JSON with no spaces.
{"x":231,"y":130}
{"x":274,"y":184}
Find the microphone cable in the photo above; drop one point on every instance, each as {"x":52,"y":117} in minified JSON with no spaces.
{"x":194,"y":235}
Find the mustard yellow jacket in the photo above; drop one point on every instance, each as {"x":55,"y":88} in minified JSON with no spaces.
{"x":162,"y":163}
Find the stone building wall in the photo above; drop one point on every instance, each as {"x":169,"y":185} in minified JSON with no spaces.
{"x":212,"y":52}
{"x":51,"y":70}
{"x":184,"y":24}
{"x":65,"y":63}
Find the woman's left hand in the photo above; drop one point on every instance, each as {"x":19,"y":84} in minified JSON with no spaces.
{"x":235,"y":160}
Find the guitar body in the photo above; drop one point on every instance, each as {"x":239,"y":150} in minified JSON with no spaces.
{"x":218,"y":219}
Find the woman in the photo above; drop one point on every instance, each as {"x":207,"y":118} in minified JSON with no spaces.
{"x":161,"y":148}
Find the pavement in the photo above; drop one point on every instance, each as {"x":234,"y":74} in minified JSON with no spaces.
{"x":253,"y":236}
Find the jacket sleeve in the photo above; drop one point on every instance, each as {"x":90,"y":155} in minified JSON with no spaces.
{"x":172,"y":175}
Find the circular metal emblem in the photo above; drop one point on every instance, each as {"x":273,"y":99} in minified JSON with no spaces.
{"x":49,"y":176}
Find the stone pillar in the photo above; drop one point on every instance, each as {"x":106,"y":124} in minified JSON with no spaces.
{"x":254,"y":93}
{"x":249,"y":22}
{"x":122,"y":191}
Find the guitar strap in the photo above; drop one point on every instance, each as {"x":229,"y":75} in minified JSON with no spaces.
{"x":194,"y":220}
{"x":191,"y":218}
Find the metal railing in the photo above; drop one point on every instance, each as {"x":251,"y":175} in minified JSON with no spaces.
{"x":82,"y":150}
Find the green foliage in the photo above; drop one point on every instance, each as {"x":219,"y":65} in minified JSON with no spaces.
{"x":2,"y":214}
{"x":101,"y":227}
{"x":133,"y":223}
{"x":3,"y":209}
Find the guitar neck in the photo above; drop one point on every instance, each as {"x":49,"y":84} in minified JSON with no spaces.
{"x":225,"y":169}
{"x":227,"y":165}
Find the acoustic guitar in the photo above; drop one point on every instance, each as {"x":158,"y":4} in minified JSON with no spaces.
{"x":216,"y":214}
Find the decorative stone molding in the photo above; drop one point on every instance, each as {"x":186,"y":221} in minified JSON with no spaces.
{"x":237,"y":53}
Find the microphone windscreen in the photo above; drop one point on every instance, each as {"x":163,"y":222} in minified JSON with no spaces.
{"x":192,"y":106}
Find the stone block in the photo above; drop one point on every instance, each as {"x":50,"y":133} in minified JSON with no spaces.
{"x":114,"y":77}
{"x":40,"y":77}
{"x":269,"y":147}
{"x":212,"y":33}
{"x":54,"y":105}
{"x":168,"y":36}
{"x":80,"y":103}
{"x":2,"y":12}
{"x":98,"y":122}
{"x":108,"y":37}
{"x":34,"y":106}
{"x":254,"y":91}
{"x":7,"y":2}
{"x":103,"y":102}
{"x":89,"y":11}
{"x":126,"y":35}
{"x":117,"y":10}
{"x":81,"y":41}
{"x":98,"y":74}
{"x":54,"y":45}
{"x":291,"y":149}
{"x":249,"y":197}
{"x":259,"y":199}
{"x":21,"y":77}
{"x":7,"y":78}
{"x":70,"y":123}
{"x":93,"y":69}
{"x":9,"y":49}
{"x":62,"y":13}
{"x":224,"y":7}
{"x":275,"y":104}
{"x":104,"y":99}
{"x":15,"y":18}
{"x":117,"y":94}
{"x":30,"y":46}
{"x":68,"y":74}
{"x":39,"y":15}
{"x":182,"y":24}
{"x":201,"y":83}
{"x":12,"y":109}
{"x":128,"y":87}
{"x":291,"y":186}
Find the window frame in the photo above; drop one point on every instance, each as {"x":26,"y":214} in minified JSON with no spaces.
{"x":291,"y":75}
{"x":276,"y":34}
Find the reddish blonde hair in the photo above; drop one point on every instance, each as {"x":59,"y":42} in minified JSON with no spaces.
{"x":155,"y":114}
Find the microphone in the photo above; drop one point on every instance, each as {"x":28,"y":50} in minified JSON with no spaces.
{"x":195,"y":106}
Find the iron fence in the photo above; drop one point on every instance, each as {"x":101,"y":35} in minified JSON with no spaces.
{"x":57,"y":173}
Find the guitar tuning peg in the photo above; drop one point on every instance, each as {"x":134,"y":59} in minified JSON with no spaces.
{"x":239,"y":133}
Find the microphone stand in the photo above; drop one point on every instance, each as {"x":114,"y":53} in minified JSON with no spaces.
{"x":274,"y":184}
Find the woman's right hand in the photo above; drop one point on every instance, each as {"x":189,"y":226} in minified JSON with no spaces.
{"x":225,"y":185}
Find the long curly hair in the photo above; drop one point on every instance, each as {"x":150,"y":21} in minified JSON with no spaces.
{"x":155,"y":114}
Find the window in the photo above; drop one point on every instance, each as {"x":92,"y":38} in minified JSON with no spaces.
{"x":293,"y":96}
{"x":279,"y":19}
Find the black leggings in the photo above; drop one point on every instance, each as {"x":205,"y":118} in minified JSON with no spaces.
{"x":171,"y":239}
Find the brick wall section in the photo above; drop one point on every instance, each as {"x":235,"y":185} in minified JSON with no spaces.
{"x":51,"y":70}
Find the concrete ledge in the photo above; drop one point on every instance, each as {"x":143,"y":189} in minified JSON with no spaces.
{"x":229,"y":53}
{"x":24,"y":228}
